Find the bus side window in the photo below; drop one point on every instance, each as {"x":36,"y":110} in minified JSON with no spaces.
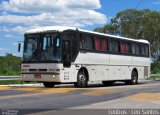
{"x":123,"y":47}
{"x":135,"y":49}
{"x":144,"y":50}
{"x":90,"y":42}
{"x":147,"y":50}
{"x":104,"y":44}
{"x":114,"y":46}
{"x":129,"y":48}
{"x":86,"y":42}
{"x":97,"y":44}
{"x":100,"y":44}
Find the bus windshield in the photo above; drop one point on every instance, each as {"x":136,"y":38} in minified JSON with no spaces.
{"x":42,"y":47}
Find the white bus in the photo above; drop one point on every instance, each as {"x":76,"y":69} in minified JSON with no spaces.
{"x":55,"y":55}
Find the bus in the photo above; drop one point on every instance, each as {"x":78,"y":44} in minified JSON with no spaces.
{"x":58,"y":55}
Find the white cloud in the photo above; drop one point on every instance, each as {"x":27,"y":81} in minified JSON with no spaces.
{"x":72,"y":18}
{"x":48,"y":5}
{"x":8,"y":36}
{"x":11,"y":36}
{"x":18,"y":29}
{"x":78,"y":13}
{"x":4,"y":28}
{"x":4,"y":49}
{"x":15,"y":43}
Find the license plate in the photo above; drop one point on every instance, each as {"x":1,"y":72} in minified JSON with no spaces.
{"x":37,"y":75}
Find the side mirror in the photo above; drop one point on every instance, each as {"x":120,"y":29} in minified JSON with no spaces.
{"x":19,"y":46}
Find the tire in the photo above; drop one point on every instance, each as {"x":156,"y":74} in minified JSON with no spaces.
{"x":107,"y":83}
{"x":134,"y":78}
{"x":48,"y":84}
{"x":75,"y":84}
{"x":81,"y":80}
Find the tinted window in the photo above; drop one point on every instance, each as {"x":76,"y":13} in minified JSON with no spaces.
{"x":113,"y":46}
{"x":74,"y":44}
{"x":125,"y":47}
{"x":97,"y":44}
{"x":100,"y":44}
{"x":104,"y":44}
{"x":86,"y":42}
{"x":135,"y":49}
{"x":144,"y":50}
{"x":42,"y":48}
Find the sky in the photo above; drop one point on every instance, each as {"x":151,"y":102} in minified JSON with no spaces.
{"x":18,"y":16}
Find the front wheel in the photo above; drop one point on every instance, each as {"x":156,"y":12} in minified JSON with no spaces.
{"x":81,"y":80}
{"x":48,"y":84}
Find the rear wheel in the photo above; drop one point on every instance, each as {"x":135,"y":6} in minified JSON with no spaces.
{"x":81,"y":80}
{"x":107,"y":83}
{"x":134,"y":79}
{"x":48,"y":84}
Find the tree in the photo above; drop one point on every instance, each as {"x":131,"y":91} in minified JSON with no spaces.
{"x":137,"y":24}
{"x":10,"y":65}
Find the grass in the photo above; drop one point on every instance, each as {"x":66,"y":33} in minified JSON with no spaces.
{"x":154,"y":78}
{"x":9,"y":82}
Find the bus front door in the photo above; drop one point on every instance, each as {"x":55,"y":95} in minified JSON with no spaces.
{"x":66,"y":49}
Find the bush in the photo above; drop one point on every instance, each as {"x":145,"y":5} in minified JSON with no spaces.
{"x":10,"y":65}
{"x":155,"y":68}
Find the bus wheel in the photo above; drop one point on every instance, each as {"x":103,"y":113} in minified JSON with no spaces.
{"x":134,"y":78}
{"x":81,"y":80}
{"x":107,"y":83}
{"x":48,"y":84}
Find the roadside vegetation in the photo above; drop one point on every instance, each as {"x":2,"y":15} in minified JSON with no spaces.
{"x":154,"y":78}
{"x":10,"y":65}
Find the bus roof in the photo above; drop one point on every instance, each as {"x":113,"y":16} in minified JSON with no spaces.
{"x":63,"y":28}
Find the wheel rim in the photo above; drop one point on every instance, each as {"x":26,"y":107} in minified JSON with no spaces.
{"x":82,"y":80}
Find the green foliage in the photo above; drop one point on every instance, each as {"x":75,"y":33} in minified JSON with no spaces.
{"x":137,"y":24}
{"x":154,"y":77}
{"x":155,"y":68}
{"x":10,"y":65}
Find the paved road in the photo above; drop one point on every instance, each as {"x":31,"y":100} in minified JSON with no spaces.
{"x":39,"y":100}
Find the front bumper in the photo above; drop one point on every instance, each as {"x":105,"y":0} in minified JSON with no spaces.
{"x":38,"y":77}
